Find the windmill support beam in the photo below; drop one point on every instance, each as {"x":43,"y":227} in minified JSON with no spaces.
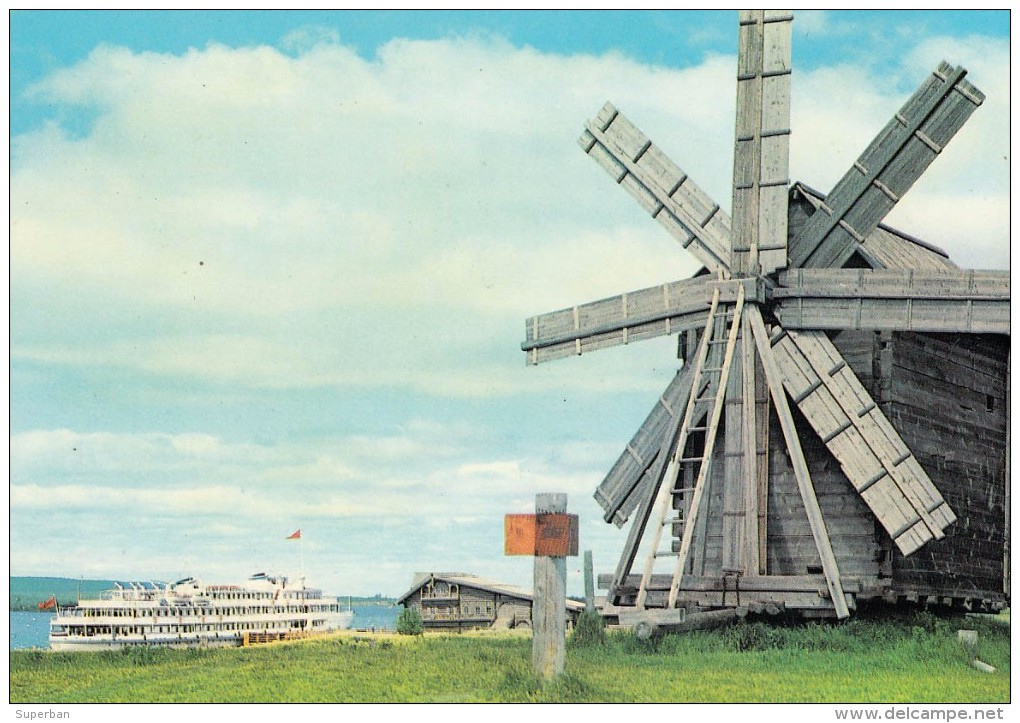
{"x":746,"y":584}
{"x":807,"y":491}
{"x":752,"y":553}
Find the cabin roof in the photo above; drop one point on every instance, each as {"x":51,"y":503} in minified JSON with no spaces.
{"x":887,"y":247}
{"x":480,"y":583}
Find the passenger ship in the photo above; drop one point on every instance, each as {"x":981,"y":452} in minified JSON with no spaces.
{"x":189,"y":614}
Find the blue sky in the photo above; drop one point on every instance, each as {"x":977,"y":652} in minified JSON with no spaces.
{"x":270,"y":270}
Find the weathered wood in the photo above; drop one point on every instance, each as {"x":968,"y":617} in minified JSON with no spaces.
{"x":617,"y":493}
{"x":762,"y":147}
{"x":807,"y":492}
{"x":762,"y":427}
{"x":660,"y":186}
{"x":635,"y":316}
{"x":733,"y":470}
{"x":733,"y":599}
{"x":710,"y":438}
{"x":887,"y":169}
{"x":648,"y":624}
{"x":904,"y":300}
{"x":589,"y":582}
{"x":871,"y":453}
{"x":763,"y":583}
{"x":664,"y":492}
{"x":548,"y":648}
{"x":750,"y":549}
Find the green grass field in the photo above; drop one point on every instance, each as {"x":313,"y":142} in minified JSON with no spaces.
{"x":911,"y":659}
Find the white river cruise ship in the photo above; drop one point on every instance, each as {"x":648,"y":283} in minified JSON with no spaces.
{"x":188,"y":613}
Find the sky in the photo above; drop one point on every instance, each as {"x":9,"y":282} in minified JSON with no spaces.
{"x":269,"y":271}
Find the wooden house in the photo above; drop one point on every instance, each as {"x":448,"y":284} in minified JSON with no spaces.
{"x":838,"y":432}
{"x":459,"y":601}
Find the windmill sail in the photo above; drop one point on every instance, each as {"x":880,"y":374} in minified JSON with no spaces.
{"x":887,"y":169}
{"x":871,"y":453}
{"x":761,"y":156}
{"x":660,"y":186}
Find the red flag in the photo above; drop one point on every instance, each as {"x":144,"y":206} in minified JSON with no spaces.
{"x":295,"y":536}
{"x":48,"y":604}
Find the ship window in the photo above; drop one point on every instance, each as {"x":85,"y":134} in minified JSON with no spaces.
{"x":989,"y":403}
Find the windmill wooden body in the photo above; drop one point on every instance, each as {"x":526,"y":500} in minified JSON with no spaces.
{"x":790,"y":462}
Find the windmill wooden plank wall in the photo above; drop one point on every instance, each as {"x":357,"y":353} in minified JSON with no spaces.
{"x":838,"y":431}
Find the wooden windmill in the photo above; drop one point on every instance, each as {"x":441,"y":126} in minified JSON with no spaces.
{"x":767,"y":475}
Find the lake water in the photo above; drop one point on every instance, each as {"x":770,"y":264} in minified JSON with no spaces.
{"x":31,"y":629}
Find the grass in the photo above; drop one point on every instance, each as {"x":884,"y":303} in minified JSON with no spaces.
{"x":913,"y":658}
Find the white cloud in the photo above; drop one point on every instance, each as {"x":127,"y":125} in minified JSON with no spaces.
{"x":326,"y":209}
{"x":124,"y":491}
{"x":282,"y":221}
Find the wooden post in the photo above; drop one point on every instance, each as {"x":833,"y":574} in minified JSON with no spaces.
{"x":589,"y":582}
{"x":550,"y":535}
{"x":549,"y":610}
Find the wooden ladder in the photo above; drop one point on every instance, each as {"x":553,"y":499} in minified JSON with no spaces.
{"x":702,"y":414}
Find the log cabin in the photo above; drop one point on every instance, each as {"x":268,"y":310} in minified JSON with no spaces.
{"x":460,"y":601}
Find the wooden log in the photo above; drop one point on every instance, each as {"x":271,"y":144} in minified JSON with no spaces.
{"x":983,"y":667}
{"x":750,"y":550}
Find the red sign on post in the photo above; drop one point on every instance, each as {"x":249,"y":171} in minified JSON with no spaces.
{"x":543,"y":535}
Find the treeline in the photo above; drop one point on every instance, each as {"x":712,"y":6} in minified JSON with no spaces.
{"x":27,"y":592}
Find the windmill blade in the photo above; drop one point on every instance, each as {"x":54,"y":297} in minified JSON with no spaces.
{"x":645,"y":314}
{"x":761,"y":156}
{"x":871,"y":453}
{"x":887,"y":169}
{"x":660,"y":186}
{"x":974,"y":302}
{"x":629,"y":479}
